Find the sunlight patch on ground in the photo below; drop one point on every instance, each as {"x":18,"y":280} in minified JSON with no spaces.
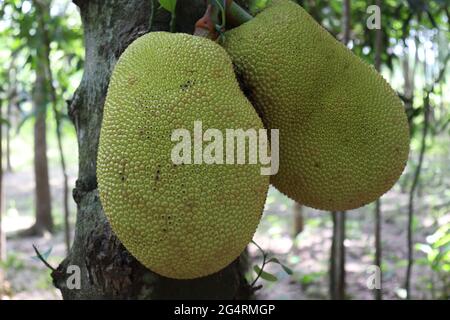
{"x":14,"y":222}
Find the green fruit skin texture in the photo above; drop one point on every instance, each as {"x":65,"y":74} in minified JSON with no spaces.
{"x":181,"y":221}
{"x":344,"y":137}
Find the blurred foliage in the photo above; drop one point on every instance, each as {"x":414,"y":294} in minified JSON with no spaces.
{"x":19,"y":39}
{"x":12,"y":261}
{"x":437,"y":251}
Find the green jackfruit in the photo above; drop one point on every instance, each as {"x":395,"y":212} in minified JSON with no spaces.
{"x":344,"y":137}
{"x":180,"y":220}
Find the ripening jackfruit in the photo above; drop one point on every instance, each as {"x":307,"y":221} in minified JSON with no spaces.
{"x":180,"y":220}
{"x":344,"y":137}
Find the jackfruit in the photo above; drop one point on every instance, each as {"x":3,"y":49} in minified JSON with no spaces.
{"x":344,"y":138}
{"x":182,"y":221}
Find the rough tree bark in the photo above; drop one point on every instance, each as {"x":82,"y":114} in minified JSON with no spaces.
{"x":107,"y":269}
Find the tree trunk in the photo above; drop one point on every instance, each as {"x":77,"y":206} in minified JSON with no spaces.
{"x":298,"y":219}
{"x":42,"y":23}
{"x":337,"y":256}
{"x":44,"y":221}
{"x":11,"y":105}
{"x":377,"y":231}
{"x":2,"y":235}
{"x":107,"y":270}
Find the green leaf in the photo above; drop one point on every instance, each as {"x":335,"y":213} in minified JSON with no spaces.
{"x":275,"y":260}
{"x":285,"y":268}
{"x":442,"y":242}
{"x":44,"y":255}
{"x":169,"y":5}
{"x":264,"y":275}
{"x":425,"y":248}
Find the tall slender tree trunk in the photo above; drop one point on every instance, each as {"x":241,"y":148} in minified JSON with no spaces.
{"x":2,"y":235}
{"x":297,"y":211}
{"x":337,"y":255}
{"x":44,"y":221}
{"x":11,"y":105}
{"x":42,"y":23}
{"x":378,"y":248}
{"x":107,"y":270}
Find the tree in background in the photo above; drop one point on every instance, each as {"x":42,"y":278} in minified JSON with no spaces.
{"x":377,"y":230}
{"x":44,"y":219}
{"x":42,"y":38}
{"x":2,"y":235}
{"x":337,"y":256}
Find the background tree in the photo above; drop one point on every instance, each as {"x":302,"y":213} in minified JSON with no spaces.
{"x":337,"y":257}
{"x":44,"y":219}
{"x":2,"y":235}
{"x":377,"y":230}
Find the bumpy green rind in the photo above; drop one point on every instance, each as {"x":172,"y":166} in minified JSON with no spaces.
{"x":181,"y":221}
{"x":344,"y":138}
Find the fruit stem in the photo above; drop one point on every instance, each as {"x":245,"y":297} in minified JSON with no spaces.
{"x":205,"y":26}
{"x":172,"y":24}
{"x":212,"y":23}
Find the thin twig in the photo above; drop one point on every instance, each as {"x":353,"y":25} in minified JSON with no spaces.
{"x":263,"y":264}
{"x":39,"y":255}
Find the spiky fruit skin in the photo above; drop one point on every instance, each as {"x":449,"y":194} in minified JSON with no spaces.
{"x":344,"y":138}
{"x":181,"y":221}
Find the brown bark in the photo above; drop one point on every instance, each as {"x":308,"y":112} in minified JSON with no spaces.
{"x":337,"y":257}
{"x":11,"y":105}
{"x":298,"y":219}
{"x":44,"y":220}
{"x":42,"y":22}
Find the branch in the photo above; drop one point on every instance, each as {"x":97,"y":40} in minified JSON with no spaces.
{"x":39,"y":255}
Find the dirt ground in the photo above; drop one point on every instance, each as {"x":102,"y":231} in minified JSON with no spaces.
{"x":307,"y":254}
